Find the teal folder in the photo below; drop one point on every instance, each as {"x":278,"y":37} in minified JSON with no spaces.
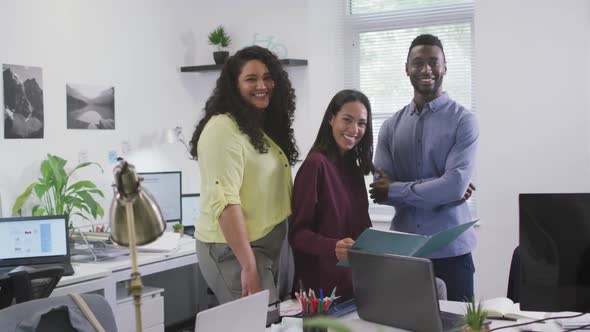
{"x":406,"y":244}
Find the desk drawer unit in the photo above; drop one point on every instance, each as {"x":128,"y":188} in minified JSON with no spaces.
{"x":152,"y":310}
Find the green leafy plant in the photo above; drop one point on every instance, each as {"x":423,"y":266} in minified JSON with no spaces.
{"x":178,"y":228}
{"x":475,"y":317}
{"x":323,"y":322}
{"x":219,"y":38}
{"x":57,"y":197}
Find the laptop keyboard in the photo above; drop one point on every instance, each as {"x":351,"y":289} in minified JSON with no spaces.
{"x":342,"y":309}
{"x":450,"y":320}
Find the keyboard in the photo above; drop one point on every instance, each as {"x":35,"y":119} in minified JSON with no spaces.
{"x":343,"y":308}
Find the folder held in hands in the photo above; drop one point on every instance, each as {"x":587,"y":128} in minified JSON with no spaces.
{"x":406,"y":244}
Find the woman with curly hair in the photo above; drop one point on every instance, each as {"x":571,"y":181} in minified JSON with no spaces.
{"x":245,"y":147}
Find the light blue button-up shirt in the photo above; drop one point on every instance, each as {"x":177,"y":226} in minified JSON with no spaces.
{"x":430,"y":158}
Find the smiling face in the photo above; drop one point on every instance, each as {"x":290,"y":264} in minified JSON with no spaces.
{"x":255,"y":84}
{"x":349,"y":125}
{"x":426,"y":68}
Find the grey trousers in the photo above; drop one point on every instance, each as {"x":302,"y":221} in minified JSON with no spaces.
{"x":222,"y":271}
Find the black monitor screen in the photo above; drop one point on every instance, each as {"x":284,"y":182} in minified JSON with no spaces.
{"x":555,"y":252}
{"x":166,"y":187}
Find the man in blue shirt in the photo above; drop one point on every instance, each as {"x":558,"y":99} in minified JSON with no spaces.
{"x":426,"y":157}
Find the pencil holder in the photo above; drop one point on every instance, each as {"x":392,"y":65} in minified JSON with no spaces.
{"x":307,"y":317}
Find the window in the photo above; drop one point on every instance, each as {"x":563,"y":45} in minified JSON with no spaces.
{"x":381,"y":32}
{"x":380,"y":6}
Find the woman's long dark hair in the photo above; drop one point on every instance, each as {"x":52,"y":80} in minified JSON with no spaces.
{"x":276,"y":121}
{"x":361,"y":156}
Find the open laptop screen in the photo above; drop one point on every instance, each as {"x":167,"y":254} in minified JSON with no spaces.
{"x":398,"y":291}
{"x":33,"y":240}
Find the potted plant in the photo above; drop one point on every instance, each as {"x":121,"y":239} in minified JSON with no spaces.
{"x":57,"y":196}
{"x":220,"y":38}
{"x":323,"y":323}
{"x":475,"y":318}
{"x":178,"y":228}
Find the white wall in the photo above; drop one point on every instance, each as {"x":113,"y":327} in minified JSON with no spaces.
{"x":138,"y":46}
{"x":532,"y":100}
{"x":104,"y":43}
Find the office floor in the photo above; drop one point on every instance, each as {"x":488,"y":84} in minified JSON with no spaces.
{"x":188,"y":326}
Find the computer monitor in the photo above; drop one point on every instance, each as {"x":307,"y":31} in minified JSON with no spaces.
{"x":555,"y":252}
{"x":190,"y":209}
{"x":166,"y":187}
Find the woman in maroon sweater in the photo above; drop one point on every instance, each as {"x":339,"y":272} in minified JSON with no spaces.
{"x":330,"y":202}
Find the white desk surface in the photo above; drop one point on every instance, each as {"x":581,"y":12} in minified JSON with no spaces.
{"x":104,"y":275}
{"x":358,"y":325}
{"x":151,"y":262}
{"x":185,"y":254}
{"x":84,"y":272}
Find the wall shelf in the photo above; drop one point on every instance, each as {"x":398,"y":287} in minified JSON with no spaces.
{"x":203,"y":68}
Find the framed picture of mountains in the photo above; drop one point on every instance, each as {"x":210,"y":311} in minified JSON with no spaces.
{"x":90,"y":106}
{"x":23,"y":101}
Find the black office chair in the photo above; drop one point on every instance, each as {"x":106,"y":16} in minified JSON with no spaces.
{"x":514,"y":276}
{"x":28,"y":284}
{"x":6,"y":291}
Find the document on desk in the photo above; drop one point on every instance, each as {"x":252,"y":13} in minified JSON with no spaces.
{"x":168,"y":242}
{"x":406,"y":244}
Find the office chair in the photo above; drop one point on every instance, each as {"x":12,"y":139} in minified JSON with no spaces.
{"x":28,"y":284}
{"x":514,"y":276}
{"x":6,"y":293}
{"x":58,"y":314}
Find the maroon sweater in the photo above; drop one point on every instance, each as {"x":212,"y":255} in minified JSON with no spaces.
{"x":330,"y":203}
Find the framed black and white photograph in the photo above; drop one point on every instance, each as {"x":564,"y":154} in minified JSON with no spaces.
{"x":90,"y":106}
{"x":23,"y":101}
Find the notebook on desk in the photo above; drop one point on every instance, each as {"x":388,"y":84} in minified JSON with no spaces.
{"x":398,"y":291}
{"x":247,"y":314}
{"x":34,"y":242}
{"x":167,"y":243}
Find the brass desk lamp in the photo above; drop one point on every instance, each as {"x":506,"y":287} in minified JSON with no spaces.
{"x":132,"y":204}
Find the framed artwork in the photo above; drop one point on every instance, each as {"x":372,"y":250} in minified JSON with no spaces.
{"x":90,"y":106}
{"x":23,"y":101}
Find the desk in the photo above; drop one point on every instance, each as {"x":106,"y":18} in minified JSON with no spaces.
{"x":103,"y":276}
{"x":358,"y":325}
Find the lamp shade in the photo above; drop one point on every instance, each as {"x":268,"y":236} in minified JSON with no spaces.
{"x":147,"y":216}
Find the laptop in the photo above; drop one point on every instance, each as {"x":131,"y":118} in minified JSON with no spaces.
{"x":247,"y":314}
{"x":398,"y":291}
{"x":190,"y":211}
{"x":34,"y":242}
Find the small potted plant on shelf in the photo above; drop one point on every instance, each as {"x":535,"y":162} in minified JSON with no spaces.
{"x":475,"y":318}
{"x":221,"y":39}
{"x":178,"y":228}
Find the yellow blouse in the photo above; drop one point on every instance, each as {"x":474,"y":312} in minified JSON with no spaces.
{"x":234,"y":172}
